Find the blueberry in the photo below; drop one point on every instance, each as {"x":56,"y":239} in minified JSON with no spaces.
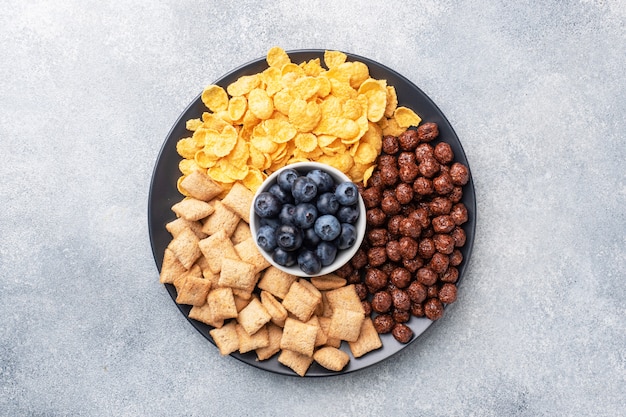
{"x":304,"y":189}
{"x":283,"y":196}
{"x":305,"y":215}
{"x":348,"y":214}
{"x":265,"y":238}
{"x":286,"y":214}
{"x":322,"y":180}
{"x":309,"y":262}
{"x":266,"y":205}
{"x":310,"y":239}
{"x":347,"y":238}
{"x":288,"y":237}
{"x":327,"y":252}
{"x":327,"y":227}
{"x":284,"y":258}
{"x":327,"y":203}
{"x":347,"y":193}
{"x":272,"y":222}
{"x":286,"y":178}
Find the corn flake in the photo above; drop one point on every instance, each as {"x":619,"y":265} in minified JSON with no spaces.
{"x":237,"y":107}
{"x":306,"y":142}
{"x":342,"y":162}
{"x":187,"y":148}
{"x":221,"y":143}
{"x":406,"y":117}
{"x":282,"y":101}
{"x":376,"y":104}
{"x":193,"y":124}
{"x":205,"y":159}
{"x":338,"y":126}
{"x":277,"y":57}
{"x":279,"y":131}
{"x":393,"y":128}
{"x":244,"y":85}
{"x":305,"y":116}
{"x":253,"y":179}
{"x":365,"y":154}
{"x":215,"y":98}
{"x":187,"y":166}
{"x":260,"y":103}
{"x":333,"y":59}
{"x":312,"y":68}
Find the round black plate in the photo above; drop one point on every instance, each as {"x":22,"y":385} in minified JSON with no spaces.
{"x":164,"y":194}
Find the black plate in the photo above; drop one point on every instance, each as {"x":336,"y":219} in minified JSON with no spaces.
{"x":164,"y":194}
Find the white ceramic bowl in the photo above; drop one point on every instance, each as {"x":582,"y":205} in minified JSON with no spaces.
{"x":343,"y":256}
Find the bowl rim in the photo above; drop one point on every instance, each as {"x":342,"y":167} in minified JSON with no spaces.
{"x":346,"y":254}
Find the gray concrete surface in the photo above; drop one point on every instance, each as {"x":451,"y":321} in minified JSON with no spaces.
{"x":535,"y":91}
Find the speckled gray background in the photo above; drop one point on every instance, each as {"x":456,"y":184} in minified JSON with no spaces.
{"x":535,"y":91}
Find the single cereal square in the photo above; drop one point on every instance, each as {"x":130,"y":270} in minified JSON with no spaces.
{"x":226,"y":338}
{"x":178,"y":225}
{"x":345,"y":324}
{"x":248,"y":342}
{"x":185,"y":247}
{"x":321,"y":338}
{"x":171,"y":267}
{"x":222,"y":303}
{"x":204,"y":314}
{"x":274,"y":308}
{"x":192,"y":209}
{"x":216,"y":248}
{"x":249,"y":252}
{"x":328,"y":282}
{"x":222,"y":219}
{"x":298,"y":337}
{"x":298,"y":362}
{"x":275,"y":333}
{"x":301,"y":302}
{"x":276,"y":282}
{"x":179,"y":281}
{"x":194,"y":291}
{"x":237,"y":274}
{"x":311,"y":288}
{"x":200,"y":186}
{"x":241,"y":233}
{"x":239,"y":200}
{"x":368,"y":340}
{"x":331,"y":358}
{"x":345,"y":298}
{"x":253,"y":316}
{"x":325,"y":325}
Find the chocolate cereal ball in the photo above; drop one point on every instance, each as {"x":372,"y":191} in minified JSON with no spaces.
{"x":447,"y":293}
{"x":433,"y":309}
{"x":443,"y":153}
{"x":459,"y":174}
{"x":390,"y":145}
{"x":402,"y":333}
{"x":381,"y":301}
{"x":426,"y":132}
{"x":423,"y":186}
{"x":408,"y":140}
{"x":383,"y":323}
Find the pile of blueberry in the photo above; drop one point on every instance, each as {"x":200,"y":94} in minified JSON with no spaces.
{"x":307,"y":219}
